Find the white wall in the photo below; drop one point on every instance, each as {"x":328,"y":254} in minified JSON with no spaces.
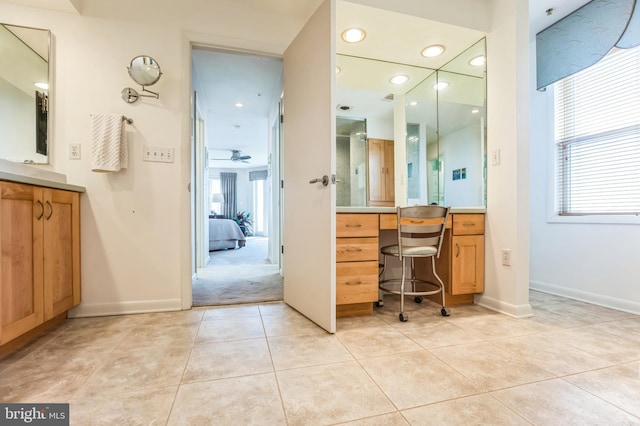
{"x":597,"y":263}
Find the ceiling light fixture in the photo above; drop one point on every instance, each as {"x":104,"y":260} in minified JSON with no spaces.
{"x":353,"y":35}
{"x":399,"y":79}
{"x":475,"y":111}
{"x":43,"y":86}
{"x":478,"y":61}
{"x":413,"y":103}
{"x":441,"y":85}
{"x":239,"y":104}
{"x":433,"y":51}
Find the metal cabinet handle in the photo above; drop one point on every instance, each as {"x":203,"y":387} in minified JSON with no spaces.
{"x":353,"y":225}
{"x":50,"y":210}
{"x":457,"y":250}
{"x":353,"y":283}
{"x":354,"y":250}
{"x":324,"y":179}
{"x":41,"y":210}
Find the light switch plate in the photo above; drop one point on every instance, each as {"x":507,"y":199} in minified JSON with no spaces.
{"x":158,"y":154}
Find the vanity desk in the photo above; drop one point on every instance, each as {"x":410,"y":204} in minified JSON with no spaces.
{"x":361,"y":231}
{"x":40,"y":238}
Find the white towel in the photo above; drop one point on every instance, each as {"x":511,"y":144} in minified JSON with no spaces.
{"x":109,"y":149}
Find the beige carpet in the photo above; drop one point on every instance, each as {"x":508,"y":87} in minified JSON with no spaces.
{"x":238,"y":276}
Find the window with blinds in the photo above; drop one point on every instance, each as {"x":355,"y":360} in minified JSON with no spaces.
{"x":597,"y":136}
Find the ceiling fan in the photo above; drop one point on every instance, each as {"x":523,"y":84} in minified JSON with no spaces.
{"x":236,"y":156}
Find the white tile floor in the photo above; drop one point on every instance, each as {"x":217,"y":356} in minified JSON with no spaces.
{"x":573,"y":363}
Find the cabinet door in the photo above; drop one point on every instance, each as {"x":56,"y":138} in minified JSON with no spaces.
{"x":61,"y":251}
{"x":21,"y":271}
{"x":389,"y":172}
{"x":376,"y":171}
{"x":467,"y":253}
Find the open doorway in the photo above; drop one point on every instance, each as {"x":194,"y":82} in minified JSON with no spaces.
{"x":237,"y":95}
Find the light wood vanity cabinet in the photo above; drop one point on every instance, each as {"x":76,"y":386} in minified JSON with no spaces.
{"x":381,"y":173}
{"x":356,"y":263}
{"x":40,"y":266}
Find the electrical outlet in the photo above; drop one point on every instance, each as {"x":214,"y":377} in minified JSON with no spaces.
{"x":506,"y":257}
{"x":74,"y":151}
{"x":158,"y":154}
{"x":495,"y":157}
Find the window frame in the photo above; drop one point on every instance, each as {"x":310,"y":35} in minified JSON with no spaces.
{"x":553,"y":199}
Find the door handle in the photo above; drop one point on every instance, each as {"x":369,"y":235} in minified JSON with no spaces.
{"x":41,"y":209}
{"x":324,"y":180}
{"x":50,"y":210}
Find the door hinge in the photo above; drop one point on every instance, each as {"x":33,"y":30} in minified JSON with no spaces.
{"x":281,"y":249}
{"x":281,"y":183}
{"x":281,"y":118}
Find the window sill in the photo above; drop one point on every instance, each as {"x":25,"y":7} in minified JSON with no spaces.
{"x":595,"y":219}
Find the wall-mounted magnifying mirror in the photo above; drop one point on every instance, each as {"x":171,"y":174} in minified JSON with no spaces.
{"x":145,"y":71}
{"x":24,"y":94}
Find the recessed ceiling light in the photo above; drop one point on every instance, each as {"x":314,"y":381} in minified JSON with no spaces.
{"x":475,"y":111}
{"x":338,"y":69}
{"x":440,"y":85}
{"x":433,"y":51}
{"x":478,"y":61}
{"x":239,"y":104}
{"x":353,"y":35}
{"x":399,"y":79}
{"x":43,"y":86}
{"x":413,"y":103}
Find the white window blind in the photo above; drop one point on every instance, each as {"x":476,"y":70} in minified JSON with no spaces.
{"x":597,"y":136}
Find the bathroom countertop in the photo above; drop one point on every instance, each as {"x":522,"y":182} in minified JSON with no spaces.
{"x":30,"y":180}
{"x":363,"y":209}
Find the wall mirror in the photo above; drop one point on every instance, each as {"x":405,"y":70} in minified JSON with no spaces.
{"x":145,"y":71}
{"x":365,"y":95}
{"x":446,"y":133}
{"x":25,"y":88}
{"x":445,"y":113}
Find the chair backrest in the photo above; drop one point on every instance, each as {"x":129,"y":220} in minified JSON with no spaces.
{"x":421,"y":226}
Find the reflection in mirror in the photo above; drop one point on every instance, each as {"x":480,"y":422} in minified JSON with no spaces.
{"x":351,"y":161}
{"x":144,"y":70}
{"x":364,"y":93}
{"x":446,"y":119}
{"x":24,"y":94}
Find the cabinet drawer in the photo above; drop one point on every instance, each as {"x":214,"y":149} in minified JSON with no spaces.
{"x":468,"y":224}
{"x":356,"y":249}
{"x":356,"y":225}
{"x":356,"y":282}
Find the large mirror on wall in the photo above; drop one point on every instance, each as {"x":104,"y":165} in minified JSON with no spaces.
{"x":446,"y":133}
{"x":24,"y":94}
{"x":445,"y":119}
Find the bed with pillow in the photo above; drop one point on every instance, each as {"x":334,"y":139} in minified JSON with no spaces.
{"x":225,"y":234}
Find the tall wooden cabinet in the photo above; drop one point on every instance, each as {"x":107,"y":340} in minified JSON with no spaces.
{"x":381,"y":173}
{"x":40,"y":261}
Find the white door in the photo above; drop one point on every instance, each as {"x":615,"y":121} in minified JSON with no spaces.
{"x":309,"y":153}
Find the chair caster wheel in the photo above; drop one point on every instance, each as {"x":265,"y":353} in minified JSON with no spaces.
{"x":445,"y":312}
{"x":403,"y":317}
{"x":378,"y":304}
{"x":418,"y":299}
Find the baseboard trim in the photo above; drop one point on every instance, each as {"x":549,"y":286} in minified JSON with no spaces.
{"x":588,"y":297}
{"x":124,"y":308}
{"x":516,"y":311}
